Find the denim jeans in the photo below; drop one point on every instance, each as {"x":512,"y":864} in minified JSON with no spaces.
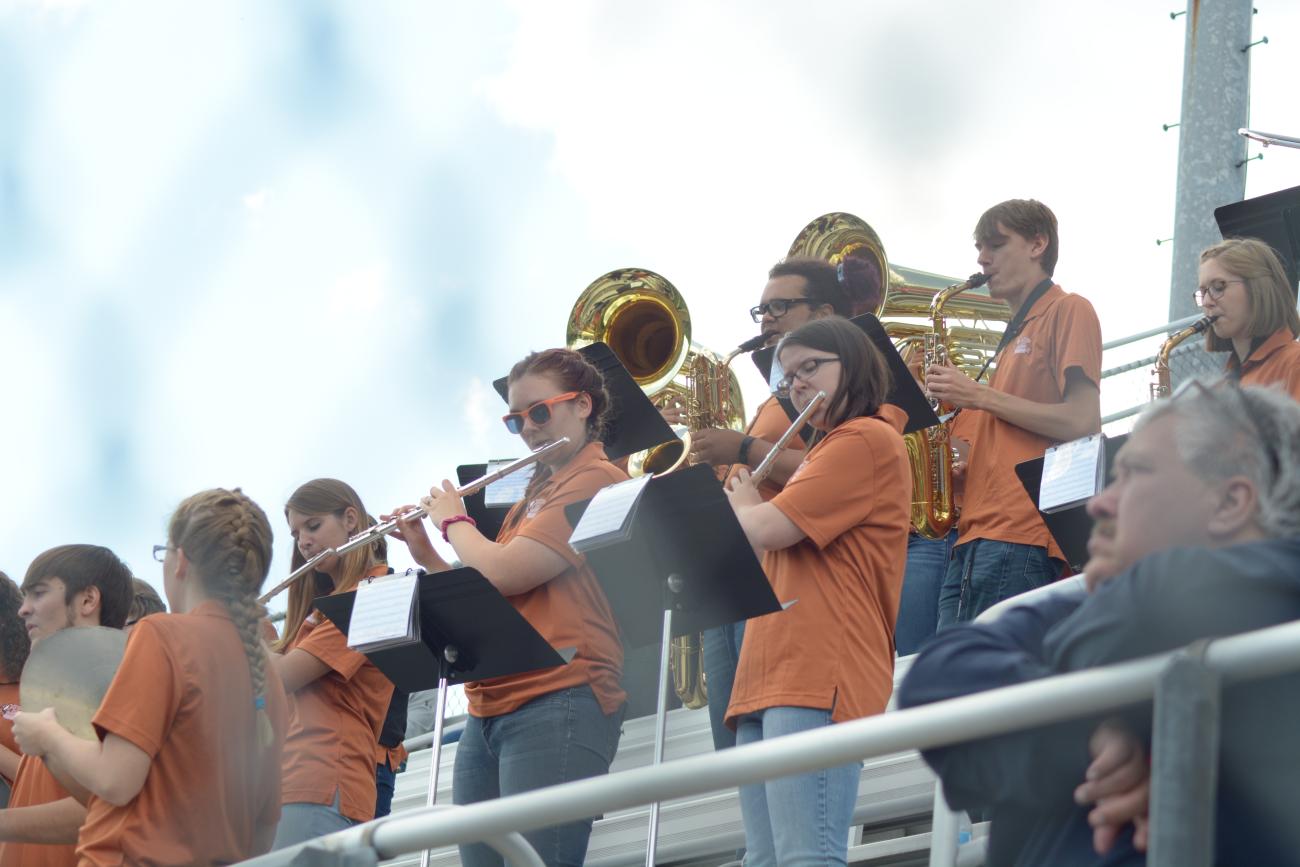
{"x":797,"y":821}
{"x":918,"y":608}
{"x":385,"y":784}
{"x":555,"y":738}
{"x":984,"y":572}
{"x":721,"y":647}
{"x":302,"y":822}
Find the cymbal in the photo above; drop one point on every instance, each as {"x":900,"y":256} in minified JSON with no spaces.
{"x":70,"y":671}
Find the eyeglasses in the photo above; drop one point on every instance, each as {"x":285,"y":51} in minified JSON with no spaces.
{"x":778,"y":307}
{"x":160,"y":552}
{"x":805,"y":371}
{"x":540,"y":412}
{"x":1214,"y":289}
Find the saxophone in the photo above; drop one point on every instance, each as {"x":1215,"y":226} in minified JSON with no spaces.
{"x":1162,"y":386}
{"x":930,"y":451}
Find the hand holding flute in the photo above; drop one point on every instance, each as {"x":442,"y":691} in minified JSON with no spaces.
{"x":410,"y":516}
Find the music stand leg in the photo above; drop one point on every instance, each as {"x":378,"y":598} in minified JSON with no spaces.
{"x":435,"y":760}
{"x":661,"y":728}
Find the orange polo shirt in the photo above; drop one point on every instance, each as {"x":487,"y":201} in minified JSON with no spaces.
{"x":184,"y":696}
{"x":833,"y":648}
{"x":569,"y":610}
{"x":768,"y":424}
{"x":1277,"y":360}
{"x":334,"y":725}
{"x":1061,"y":332}
{"x":33,"y":785}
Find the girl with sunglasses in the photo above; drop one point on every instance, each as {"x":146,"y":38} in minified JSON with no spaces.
{"x":544,"y":727}
{"x":833,"y":543}
{"x":1243,"y":285}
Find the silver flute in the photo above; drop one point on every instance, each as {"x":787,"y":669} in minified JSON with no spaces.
{"x":769,"y":460}
{"x":370,"y":534}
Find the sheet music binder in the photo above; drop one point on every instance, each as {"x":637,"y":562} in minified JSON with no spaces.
{"x":1069,"y":527}
{"x":459,"y":608}
{"x":683,"y":526}
{"x":905,"y":393}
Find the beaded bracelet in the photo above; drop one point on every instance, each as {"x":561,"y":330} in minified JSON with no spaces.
{"x":454,"y":519}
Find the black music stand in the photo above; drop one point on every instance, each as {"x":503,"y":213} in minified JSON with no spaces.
{"x":1274,"y":219}
{"x":687,"y":557}
{"x":1069,"y":527}
{"x":468,"y":631}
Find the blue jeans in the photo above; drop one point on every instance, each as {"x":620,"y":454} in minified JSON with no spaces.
{"x":721,"y":647}
{"x":385,"y":784}
{"x":918,"y":608}
{"x":302,"y":822}
{"x":555,"y":738}
{"x":800,"y":820}
{"x":984,"y":572}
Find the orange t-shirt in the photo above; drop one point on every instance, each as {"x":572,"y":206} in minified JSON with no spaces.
{"x":33,"y":785}
{"x":833,"y":648}
{"x":1277,"y":360}
{"x":184,"y":696}
{"x":1060,"y":332}
{"x":8,"y":695}
{"x":569,"y":610}
{"x":334,"y":725}
{"x":768,"y":424}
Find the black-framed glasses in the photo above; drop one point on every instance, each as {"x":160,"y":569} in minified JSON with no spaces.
{"x":778,"y":307}
{"x":805,"y":371}
{"x":160,"y":552}
{"x":540,"y":412}
{"x":1214,"y":289}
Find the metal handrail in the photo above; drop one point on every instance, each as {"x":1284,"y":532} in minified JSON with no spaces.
{"x":1152,"y":332}
{"x":1263,"y":653}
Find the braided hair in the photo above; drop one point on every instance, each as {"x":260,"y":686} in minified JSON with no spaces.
{"x":227,"y":537}
{"x":570,"y":371}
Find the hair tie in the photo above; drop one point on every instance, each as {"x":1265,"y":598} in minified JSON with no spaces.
{"x":839,"y":273}
{"x":260,"y":703}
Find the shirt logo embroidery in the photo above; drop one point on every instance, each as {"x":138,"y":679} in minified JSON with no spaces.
{"x":533,"y":508}
{"x":1023,"y":345}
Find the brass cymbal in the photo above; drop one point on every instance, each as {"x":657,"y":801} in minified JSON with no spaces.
{"x":70,"y":671}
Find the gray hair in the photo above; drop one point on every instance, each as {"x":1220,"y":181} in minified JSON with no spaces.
{"x":1252,"y":432}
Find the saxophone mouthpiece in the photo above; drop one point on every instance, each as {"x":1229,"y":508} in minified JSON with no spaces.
{"x":977,"y":280}
{"x":756,"y":342}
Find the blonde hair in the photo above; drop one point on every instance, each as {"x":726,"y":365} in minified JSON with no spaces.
{"x":1272,"y":299}
{"x":326,"y":497}
{"x":227,"y":538}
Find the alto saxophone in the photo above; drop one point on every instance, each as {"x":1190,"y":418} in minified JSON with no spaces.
{"x":1162,"y":386}
{"x":929,"y":451}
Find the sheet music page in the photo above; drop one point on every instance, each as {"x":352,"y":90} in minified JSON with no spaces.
{"x":510,"y":490}
{"x":608,"y":510}
{"x":382,"y":610}
{"x":1071,"y":472}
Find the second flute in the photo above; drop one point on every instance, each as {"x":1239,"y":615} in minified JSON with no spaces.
{"x":370,"y":534}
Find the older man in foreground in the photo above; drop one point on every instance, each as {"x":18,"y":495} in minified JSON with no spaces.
{"x":1197,"y":536}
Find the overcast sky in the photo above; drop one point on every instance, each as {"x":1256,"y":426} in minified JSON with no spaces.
{"x":249,"y":243}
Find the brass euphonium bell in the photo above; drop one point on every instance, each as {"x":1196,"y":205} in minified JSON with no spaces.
{"x":904,"y":308}
{"x":646,"y":324}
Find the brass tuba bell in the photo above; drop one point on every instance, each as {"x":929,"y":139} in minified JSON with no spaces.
{"x":645,"y":322}
{"x":904,"y":308}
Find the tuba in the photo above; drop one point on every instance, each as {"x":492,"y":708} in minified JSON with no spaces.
{"x":1162,"y":385}
{"x":645,"y":322}
{"x":906,"y":310}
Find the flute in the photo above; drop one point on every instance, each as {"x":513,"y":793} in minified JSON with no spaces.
{"x":370,"y":534}
{"x":765,"y":466}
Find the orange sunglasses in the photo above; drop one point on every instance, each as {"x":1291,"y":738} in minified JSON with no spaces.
{"x":540,"y":412}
